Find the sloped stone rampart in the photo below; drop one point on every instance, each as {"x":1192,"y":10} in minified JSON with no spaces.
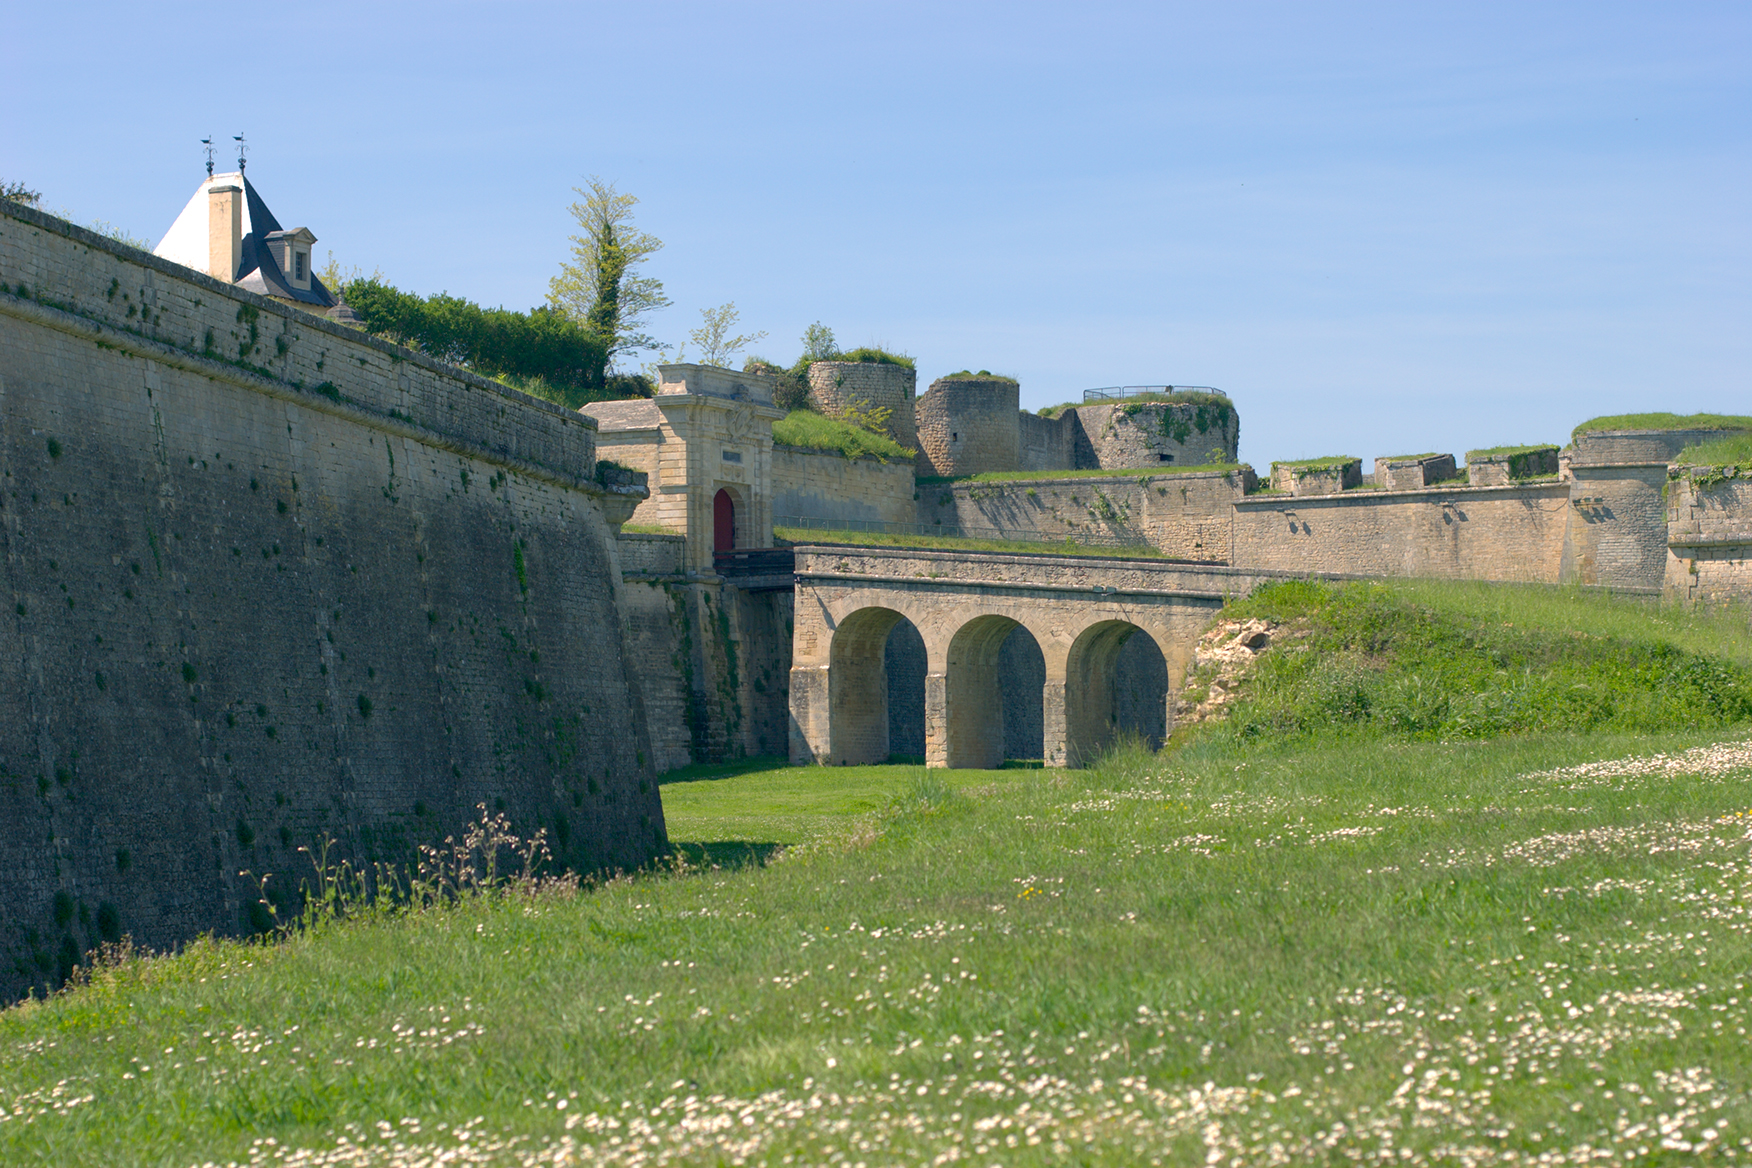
{"x":1497,"y":533}
{"x":269,"y":581}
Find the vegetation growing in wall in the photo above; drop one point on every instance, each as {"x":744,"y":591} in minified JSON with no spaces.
{"x":1193,"y":397}
{"x":871,"y":355}
{"x":542,"y":351}
{"x":982,"y":375}
{"x":815,"y":431}
{"x":1662,"y":421}
{"x":1733,"y":450}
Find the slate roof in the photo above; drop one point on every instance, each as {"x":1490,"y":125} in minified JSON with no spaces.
{"x":641,"y":413}
{"x":257,"y":270}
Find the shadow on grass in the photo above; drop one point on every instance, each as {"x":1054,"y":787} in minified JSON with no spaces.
{"x":726,"y":854}
{"x":724,"y":770}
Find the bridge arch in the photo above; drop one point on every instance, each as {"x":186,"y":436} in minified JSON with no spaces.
{"x":1101,"y":700}
{"x":858,"y":687}
{"x":991,"y":697}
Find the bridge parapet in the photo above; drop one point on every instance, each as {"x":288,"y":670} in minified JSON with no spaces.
{"x":1080,"y":610}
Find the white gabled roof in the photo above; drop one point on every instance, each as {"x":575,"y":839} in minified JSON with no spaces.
{"x":186,"y":243}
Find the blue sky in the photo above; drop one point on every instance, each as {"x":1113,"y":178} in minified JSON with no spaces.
{"x":1381,"y":228}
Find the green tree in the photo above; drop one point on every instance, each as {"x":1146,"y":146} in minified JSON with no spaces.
{"x":818,"y":343}
{"x":601,"y":288}
{"x":717,"y":343}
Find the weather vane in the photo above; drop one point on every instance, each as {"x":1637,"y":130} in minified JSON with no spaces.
{"x":208,"y":143}
{"x":242,"y":150}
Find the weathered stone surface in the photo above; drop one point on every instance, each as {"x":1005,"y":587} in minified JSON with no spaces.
{"x":968,"y":425}
{"x":270,"y":581}
{"x":1709,"y":534}
{"x":835,"y":386}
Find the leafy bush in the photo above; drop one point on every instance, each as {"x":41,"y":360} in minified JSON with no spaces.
{"x":543,"y":351}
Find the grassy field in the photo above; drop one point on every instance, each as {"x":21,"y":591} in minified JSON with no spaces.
{"x":1273,"y":949}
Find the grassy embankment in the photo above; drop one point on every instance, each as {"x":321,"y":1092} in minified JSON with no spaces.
{"x":817,"y":431}
{"x":1330,"y":939}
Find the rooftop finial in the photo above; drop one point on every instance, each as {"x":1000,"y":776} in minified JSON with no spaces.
{"x":208,"y":143}
{"x":242,"y":150}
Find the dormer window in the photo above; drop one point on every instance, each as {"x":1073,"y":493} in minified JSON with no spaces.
{"x":291,"y":251}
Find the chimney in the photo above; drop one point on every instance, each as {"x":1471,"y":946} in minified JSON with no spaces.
{"x":224,"y":232}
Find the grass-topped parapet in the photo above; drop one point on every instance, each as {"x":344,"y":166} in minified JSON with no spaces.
{"x":1664,"y":421}
{"x":982,"y":375}
{"x":808,"y":536}
{"x":1715,"y":461}
{"x":1317,"y":476}
{"x":1498,"y":466}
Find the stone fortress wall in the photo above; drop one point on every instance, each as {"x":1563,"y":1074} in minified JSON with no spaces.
{"x":269,"y":581}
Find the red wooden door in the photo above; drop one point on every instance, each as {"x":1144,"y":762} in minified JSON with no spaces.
{"x":723,"y":522}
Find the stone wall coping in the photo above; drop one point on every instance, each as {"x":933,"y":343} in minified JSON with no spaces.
{"x":657,"y":535}
{"x":133,"y":344}
{"x":1680,"y":541}
{"x":911,"y":583}
{"x":954,"y":481}
{"x":303,"y":318}
{"x":1263,"y":502}
{"x":668,"y":401}
{"x":826,"y":453}
{"x":874,"y":551}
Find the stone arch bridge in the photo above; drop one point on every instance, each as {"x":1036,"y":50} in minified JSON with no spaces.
{"x":1081,"y":611}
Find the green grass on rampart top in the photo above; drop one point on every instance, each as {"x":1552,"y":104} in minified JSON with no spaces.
{"x":804,"y":535}
{"x":1507,"y":451}
{"x":1320,"y":948}
{"x":816,"y":431}
{"x":1012,"y":476}
{"x":1735,"y":450}
{"x":1190,"y":398}
{"x":1662,"y":421}
{"x":1330,"y":462}
{"x":1409,"y":457}
{"x":872,"y":355}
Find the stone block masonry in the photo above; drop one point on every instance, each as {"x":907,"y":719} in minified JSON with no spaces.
{"x":1476,"y":533}
{"x":1709,"y":534}
{"x":1187,"y":516}
{"x":270,"y":581}
{"x":835,"y":385}
{"x":968,"y":425}
{"x":826,"y":485}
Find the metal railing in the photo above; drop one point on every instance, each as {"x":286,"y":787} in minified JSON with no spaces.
{"x":1113,"y":392}
{"x":958,"y":531}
